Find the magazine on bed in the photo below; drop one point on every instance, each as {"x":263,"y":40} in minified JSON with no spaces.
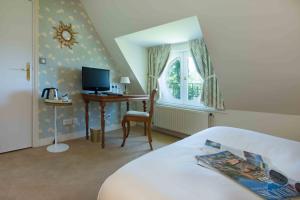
{"x":251,"y":171}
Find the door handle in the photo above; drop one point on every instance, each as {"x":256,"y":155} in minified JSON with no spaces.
{"x":26,"y":69}
{"x":18,"y":69}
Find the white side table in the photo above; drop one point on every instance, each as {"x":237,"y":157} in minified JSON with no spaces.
{"x":57,"y":147}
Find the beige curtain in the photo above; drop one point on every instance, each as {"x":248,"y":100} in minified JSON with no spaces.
{"x":211,"y":95}
{"x":157,"y":60}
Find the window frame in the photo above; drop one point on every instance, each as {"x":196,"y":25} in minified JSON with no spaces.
{"x":183,"y":102}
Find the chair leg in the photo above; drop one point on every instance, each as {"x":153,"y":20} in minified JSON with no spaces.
{"x":149,"y":135}
{"x":145,"y":128}
{"x":124,"y":133}
{"x":128,"y":128}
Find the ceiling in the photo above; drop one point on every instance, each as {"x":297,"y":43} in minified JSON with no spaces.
{"x":175,"y":32}
{"x":254,"y":44}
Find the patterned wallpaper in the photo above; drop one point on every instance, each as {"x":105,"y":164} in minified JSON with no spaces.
{"x":63,"y":67}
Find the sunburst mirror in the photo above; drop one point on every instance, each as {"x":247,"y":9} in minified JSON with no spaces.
{"x":65,"y":35}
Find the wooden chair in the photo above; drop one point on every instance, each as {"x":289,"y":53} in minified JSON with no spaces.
{"x":138,"y":116}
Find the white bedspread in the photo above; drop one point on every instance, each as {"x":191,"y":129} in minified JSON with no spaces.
{"x":171,"y":173}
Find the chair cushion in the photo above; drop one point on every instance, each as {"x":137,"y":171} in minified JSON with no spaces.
{"x":137,"y":113}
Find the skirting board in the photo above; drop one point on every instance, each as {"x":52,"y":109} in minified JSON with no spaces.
{"x":72,"y":136}
{"x":170,"y":132}
{"x":165,"y":131}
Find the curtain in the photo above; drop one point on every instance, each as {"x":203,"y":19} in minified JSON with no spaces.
{"x":157,"y":60}
{"x":211,"y":95}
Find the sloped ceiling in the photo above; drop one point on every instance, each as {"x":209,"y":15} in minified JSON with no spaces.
{"x":171,"y":33}
{"x":254,"y":44}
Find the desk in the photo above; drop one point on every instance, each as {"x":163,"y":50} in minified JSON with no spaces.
{"x":102,"y":101}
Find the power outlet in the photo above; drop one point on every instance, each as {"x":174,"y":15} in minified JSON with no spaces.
{"x":67,"y":122}
{"x":107,"y":117}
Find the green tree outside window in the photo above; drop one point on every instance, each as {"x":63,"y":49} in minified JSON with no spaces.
{"x":173,"y":80}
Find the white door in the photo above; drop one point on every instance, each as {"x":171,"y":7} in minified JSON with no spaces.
{"x":15,"y":90}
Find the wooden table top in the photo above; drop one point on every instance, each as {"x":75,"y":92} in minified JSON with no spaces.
{"x":58,"y":102}
{"x":114,"y":98}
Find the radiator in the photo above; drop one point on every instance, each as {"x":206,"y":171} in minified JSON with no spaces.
{"x":180,"y":120}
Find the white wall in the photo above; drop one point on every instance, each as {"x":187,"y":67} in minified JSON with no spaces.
{"x":136,"y":57}
{"x":286,"y":126}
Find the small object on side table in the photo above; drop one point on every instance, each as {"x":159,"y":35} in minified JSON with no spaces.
{"x":56,"y":147}
{"x":65,"y":97}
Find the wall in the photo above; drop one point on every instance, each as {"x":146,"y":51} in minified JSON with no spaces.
{"x":254,"y":44}
{"x":246,"y":54}
{"x":137,"y":59}
{"x":286,"y":126}
{"x":171,"y":119}
{"x":63,"y":68}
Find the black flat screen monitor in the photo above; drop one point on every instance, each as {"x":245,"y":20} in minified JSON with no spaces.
{"x":95,"y":79}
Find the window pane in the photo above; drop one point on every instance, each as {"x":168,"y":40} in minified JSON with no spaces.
{"x":173,"y":78}
{"x":195,"y":82}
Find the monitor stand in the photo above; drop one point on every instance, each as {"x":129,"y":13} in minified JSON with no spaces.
{"x":98,"y":93}
{"x":95,"y":92}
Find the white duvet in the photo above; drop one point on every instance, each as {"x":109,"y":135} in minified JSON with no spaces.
{"x":172,"y":173}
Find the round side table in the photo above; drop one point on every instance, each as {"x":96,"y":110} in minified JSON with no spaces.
{"x":57,"y":147}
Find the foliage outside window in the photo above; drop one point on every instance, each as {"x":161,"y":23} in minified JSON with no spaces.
{"x":173,"y":78}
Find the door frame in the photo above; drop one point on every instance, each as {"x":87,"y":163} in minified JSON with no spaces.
{"x":35,"y":72}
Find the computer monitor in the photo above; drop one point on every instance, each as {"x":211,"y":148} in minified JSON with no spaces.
{"x":95,"y":79}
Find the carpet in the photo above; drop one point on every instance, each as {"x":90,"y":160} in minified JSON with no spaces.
{"x":76,"y":174}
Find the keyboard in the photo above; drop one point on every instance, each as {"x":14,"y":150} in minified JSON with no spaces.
{"x":111,"y":94}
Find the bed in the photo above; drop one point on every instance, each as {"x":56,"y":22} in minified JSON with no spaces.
{"x":171,"y":173}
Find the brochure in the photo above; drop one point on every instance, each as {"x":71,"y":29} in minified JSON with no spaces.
{"x":251,"y":171}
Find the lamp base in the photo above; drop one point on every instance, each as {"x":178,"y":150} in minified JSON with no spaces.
{"x":125,"y":91}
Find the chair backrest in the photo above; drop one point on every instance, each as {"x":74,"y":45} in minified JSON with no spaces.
{"x":152,"y":97}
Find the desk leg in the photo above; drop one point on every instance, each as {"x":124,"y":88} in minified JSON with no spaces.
{"x":102,"y":107}
{"x":145,"y":109}
{"x":128,"y":123}
{"x":87,"y":120}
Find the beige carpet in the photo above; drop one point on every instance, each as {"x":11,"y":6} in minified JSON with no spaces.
{"x":77,"y":174}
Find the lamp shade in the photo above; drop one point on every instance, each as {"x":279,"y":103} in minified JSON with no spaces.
{"x":125,"y":80}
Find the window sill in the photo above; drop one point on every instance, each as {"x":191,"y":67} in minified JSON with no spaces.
{"x":200,"y":108}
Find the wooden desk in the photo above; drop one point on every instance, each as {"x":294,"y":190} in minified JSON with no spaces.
{"x":102,"y":101}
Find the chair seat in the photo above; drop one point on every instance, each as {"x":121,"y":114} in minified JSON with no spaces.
{"x":137,"y":113}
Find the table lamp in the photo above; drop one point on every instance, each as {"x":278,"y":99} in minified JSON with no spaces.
{"x":125,"y":80}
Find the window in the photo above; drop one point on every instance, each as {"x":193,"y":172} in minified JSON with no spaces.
{"x":180,"y":83}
